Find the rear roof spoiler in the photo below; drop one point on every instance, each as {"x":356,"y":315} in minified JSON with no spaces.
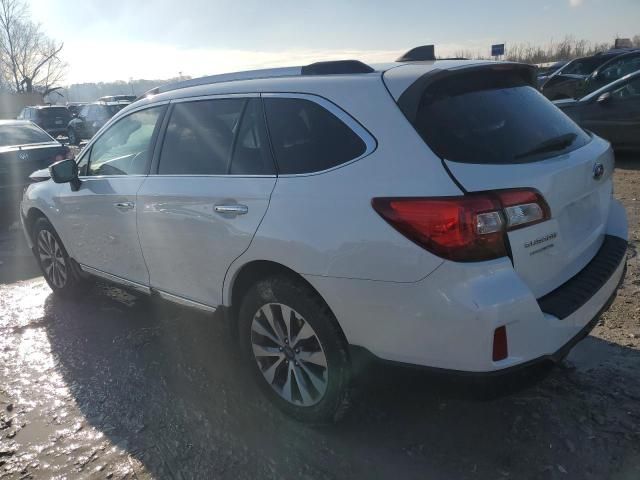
{"x":410,"y":99}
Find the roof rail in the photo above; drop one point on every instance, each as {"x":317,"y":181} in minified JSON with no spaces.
{"x":419,"y":54}
{"x":336,"y":67}
{"x":224,"y":77}
{"x":318,"y":68}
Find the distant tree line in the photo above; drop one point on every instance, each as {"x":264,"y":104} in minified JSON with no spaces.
{"x":88,"y":92}
{"x":566,"y":49}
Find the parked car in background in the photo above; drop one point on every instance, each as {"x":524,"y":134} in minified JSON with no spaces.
{"x":53,"y":119}
{"x":91,"y":118}
{"x":613,"y":112}
{"x":436,"y":213}
{"x":610,"y":71}
{"x":566,"y":82}
{"x":118,"y":98}
{"x":545,"y":70}
{"x":75,"y":107}
{"x":24,"y":148}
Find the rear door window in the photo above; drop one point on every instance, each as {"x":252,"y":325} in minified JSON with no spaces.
{"x":494,"y":118}
{"x":199,"y":137}
{"x":308,"y":138}
{"x":251,"y":155}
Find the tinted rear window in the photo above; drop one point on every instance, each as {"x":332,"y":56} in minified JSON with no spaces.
{"x":307,"y":138}
{"x":54,"y":112}
{"x":22,"y":135}
{"x":490,"y":117}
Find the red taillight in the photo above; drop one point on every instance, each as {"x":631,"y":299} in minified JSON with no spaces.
{"x":466,"y":228}
{"x":500,"y":348}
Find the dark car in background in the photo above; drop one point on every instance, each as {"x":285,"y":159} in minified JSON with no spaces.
{"x":24,"y":148}
{"x":612,"y":112}
{"x":53,"y":119}
{"x":611,"y":71}
{"x":547,"y":69}
{"x":569,"y":80}
{"x":91,"y":118}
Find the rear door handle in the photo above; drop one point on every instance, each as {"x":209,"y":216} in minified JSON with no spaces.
{"x":124,"y":205}
{"x":231,"y":209}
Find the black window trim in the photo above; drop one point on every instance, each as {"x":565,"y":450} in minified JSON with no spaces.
{"x":86,"y":151}
{"x":155,"y":164}
{"x":370,"y":142}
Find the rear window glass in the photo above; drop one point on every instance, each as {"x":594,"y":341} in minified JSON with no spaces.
{"x":22,"y":135}
{"x":489,"y":117}
{"x":54,"y":112}
{"x":307,"y":138}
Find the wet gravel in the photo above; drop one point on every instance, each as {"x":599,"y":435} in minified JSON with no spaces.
{"x":119,"y":386}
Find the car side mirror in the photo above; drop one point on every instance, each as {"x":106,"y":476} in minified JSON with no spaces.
{"x":65,"y":171}
{"x":605,"y":98}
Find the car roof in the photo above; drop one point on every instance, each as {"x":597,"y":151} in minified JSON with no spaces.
{"x":271,"y":79}
{"x":109,"y":103}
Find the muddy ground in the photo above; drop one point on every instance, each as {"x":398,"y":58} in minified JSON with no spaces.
{"x":115,"y":386}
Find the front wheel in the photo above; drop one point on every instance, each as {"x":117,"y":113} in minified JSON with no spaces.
{"x":56,"y":265}
{"x":293,"y":345}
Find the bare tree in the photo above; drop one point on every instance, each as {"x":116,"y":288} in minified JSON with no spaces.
{"x":29,"y":60}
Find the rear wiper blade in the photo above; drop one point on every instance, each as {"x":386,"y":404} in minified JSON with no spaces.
{"x":552,"y":145}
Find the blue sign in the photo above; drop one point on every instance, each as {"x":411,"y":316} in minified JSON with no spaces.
{"x":497,"y":50}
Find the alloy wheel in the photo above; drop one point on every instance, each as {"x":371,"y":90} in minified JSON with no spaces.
{"x":289,"y":354}
{"x":52,"y":259}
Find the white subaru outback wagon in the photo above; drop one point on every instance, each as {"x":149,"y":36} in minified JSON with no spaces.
{"x":435,"y":213}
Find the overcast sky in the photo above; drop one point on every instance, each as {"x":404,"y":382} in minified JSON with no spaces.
{"x":120,"y":39}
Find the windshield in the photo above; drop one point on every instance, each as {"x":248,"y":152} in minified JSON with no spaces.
{"x":22,"y":135}
{"x":486,"y":118}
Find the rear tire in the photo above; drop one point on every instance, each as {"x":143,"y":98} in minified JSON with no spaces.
{"x":302,"y":365}
{"x":58,"y":269}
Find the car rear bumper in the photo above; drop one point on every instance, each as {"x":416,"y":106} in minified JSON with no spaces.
{"x":447,"y":320}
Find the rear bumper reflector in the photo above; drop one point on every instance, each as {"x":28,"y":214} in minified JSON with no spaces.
{"x":500,"y":349}
{"x":577,"y":291}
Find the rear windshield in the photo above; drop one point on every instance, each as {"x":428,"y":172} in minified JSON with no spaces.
{"x":22,"y":135}
{"x":492,"y":117}
{"x":54,"y":112}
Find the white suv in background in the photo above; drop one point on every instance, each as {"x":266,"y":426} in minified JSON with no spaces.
{"x":434,"y":213}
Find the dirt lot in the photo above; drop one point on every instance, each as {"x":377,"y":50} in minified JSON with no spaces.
{"x":115,"y":386}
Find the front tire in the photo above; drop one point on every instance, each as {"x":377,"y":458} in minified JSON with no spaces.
{"x":57,"y":267}
{"x":291,"y":342}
